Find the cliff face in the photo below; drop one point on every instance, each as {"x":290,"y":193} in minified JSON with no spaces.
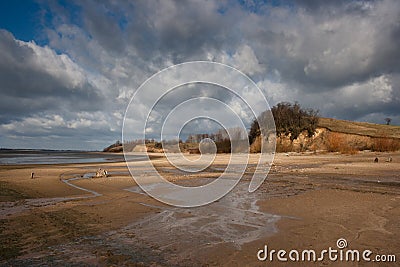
{"x":331,"y":141}
{"x":344,"y":136}
{"x":302,"y":142}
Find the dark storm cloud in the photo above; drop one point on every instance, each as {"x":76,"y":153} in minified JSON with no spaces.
{"x":328,"y":48}
{"x":318,"y":5}
{"x":35,"y":79}
{"x":317,"y":48}
{"x":179,"y":30}
{"x":103,"y":22}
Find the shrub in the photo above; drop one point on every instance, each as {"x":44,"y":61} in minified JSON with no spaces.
{"x":383,"y":144}
{"x":158,"y":145}
{"x":254,"y":132}
{"x":255,"y":146}
{"x":223,"y":146}
{"x":338,"y":142}
{"x":284,"y":147}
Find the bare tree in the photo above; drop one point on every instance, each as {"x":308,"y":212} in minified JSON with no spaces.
{"x":237,"y":133}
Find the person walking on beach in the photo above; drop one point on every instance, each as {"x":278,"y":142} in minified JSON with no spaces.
{"x":32,"y":175}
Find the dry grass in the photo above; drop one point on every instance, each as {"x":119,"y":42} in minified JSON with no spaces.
{"x":284,"y":147}
{"x":385,"y":144}
{"x":255,"y":147}
{"x":360,"y":128}
{"x":337,"y":142}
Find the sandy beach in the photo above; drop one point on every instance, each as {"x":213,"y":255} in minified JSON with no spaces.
{"x":309,"y":201}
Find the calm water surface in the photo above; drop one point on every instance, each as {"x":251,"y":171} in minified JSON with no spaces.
{"x":17,"y":157}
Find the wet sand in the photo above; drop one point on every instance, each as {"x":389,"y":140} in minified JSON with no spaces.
{"x":63,"y":217}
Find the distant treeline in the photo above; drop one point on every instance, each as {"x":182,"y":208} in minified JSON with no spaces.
{"x":290,"y":119}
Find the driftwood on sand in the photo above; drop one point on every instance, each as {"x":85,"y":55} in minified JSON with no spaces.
{"x":101,"y":173}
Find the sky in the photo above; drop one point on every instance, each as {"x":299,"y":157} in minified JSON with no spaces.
{"x":68,"y":69}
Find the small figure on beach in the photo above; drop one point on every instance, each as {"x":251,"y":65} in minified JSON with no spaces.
{"x":32,"y":175}
{"x":376,"y":160}
{"x":389,"y":159}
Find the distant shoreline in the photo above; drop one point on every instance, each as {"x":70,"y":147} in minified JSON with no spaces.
{"x":55,"y":157}
{"x":45,"y":149}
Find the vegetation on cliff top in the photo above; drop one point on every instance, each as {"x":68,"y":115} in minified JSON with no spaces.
{"x":290,"y":120}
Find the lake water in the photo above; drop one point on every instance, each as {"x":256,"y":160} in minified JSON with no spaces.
{"x":18,"y":157}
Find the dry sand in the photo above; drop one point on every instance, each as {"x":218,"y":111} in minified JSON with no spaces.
{"x":308,"y":202}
